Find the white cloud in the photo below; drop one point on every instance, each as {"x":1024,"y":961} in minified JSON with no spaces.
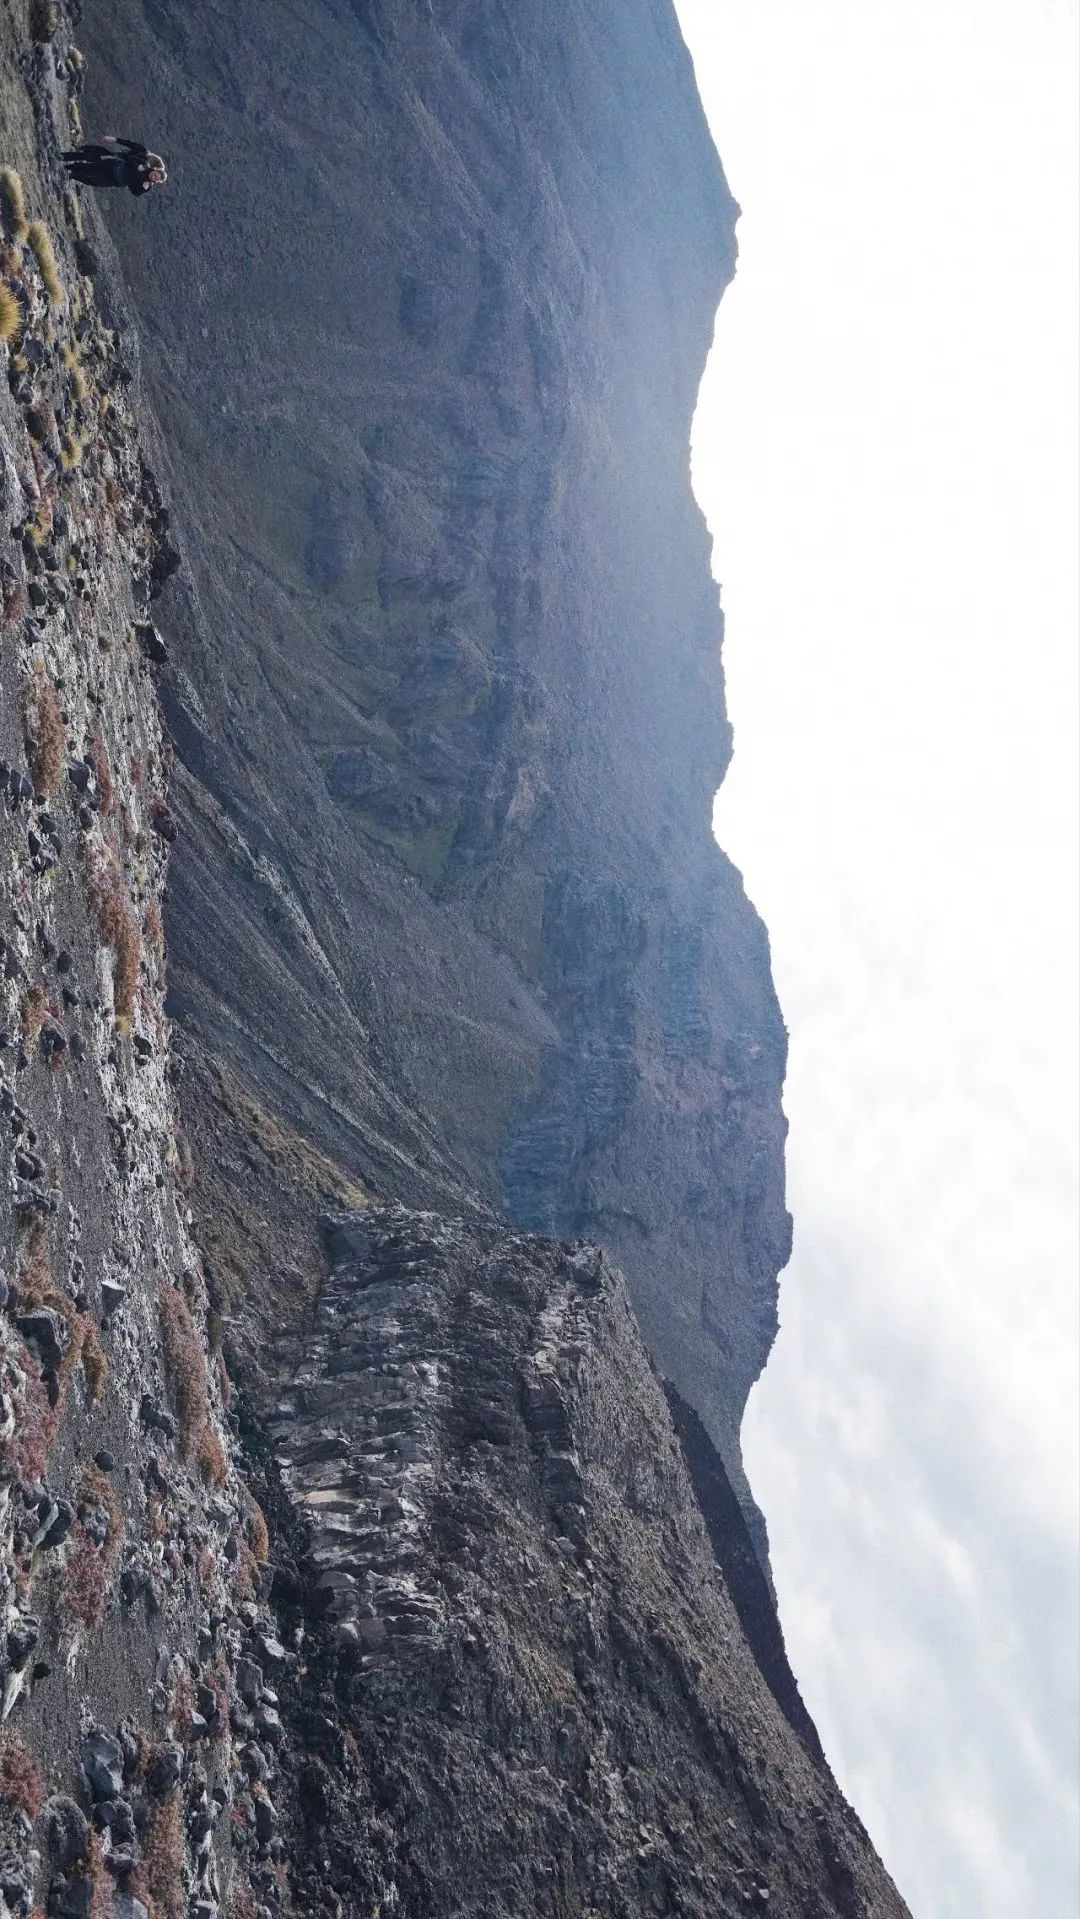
{"x":887,"y":453}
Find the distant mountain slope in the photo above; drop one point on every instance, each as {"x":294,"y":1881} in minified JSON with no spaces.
{"x":424,"y":312}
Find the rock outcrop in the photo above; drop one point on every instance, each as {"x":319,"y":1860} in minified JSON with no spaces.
{"x":541,"y":1696}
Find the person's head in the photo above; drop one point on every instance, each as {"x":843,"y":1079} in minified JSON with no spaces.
{"x":158,"y":176}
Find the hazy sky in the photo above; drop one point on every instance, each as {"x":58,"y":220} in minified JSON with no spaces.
{"x":887,"y":453}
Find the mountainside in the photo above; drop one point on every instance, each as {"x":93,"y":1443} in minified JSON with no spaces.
{"x":423,"y":317}
{"x":363,"y":945}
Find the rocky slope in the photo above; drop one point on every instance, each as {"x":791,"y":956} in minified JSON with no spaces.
{"x":129,"y":1546}
{"x":354,"y":1557}
{"x":423,"y":320}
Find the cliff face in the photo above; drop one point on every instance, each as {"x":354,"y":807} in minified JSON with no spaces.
{"x":423,"y":322}
{"x":553,"y":1707}
{"x":355,"y":1559}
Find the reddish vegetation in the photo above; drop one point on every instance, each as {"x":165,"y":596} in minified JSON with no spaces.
{"x":99,"y":759}
{"x":33,"y":1014}
{"x":89,"y":1567}
{"x":46,"y":736}
{"x":258,"y":1534}
{"x":118,"y":929}
{"x":95,"y":1364}
{"x":85,"y":1579}
{"x":101,"y":1882}
{"x":15,"y":603}
{"x":21,"y":1783}
{"x":27,"y":1451}
{"x":185,"y":1365}
{"x":210,"y":1456}
{"x":163,"y":1852}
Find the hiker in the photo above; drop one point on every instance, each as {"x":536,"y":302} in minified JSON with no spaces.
{"x":116,"y":163}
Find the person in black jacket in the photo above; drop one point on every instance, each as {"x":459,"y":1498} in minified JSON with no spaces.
{"x":116,"y":163}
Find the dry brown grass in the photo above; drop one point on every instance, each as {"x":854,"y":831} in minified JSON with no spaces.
{"x":21,"y":1783}
{"x":102,"y":1898}
{"x":242,"y":1902}
{"x":46,"y":735}
{"x":41,"y":247}
{"x":98,"y":755}
{"x":95,"y":1364}
{"x":44,"y":19}
{"x":13,"y":206}
{"x":185,"y":1366}
{"x":258,"y":1532}
{"x":10,"y":314}
{"x":163,"y":1857}
{"x":155,"y":933}
{"x":85,"y":1583}
{"x":209,"y":1455}
{"x":16,"y":604}
{"x":89,"y":1566}
{"x":72,"y":448}
{"x":119,"y":930}
{"x":26,"y":1453}
{"x":32,"y":1015}
{"x":245,"y":1572}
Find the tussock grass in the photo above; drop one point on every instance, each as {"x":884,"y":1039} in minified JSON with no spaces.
{"x":90,"y":1566}
{"x":185,"y":1367}
{"x":13,"y":206}
{"x":258,"y":1532}
{"x":41,"y":247}
{"x":119,"y":930}
{"x":72,"y":447}
{"x":10,"y":315}
{"x":162,"y":1870}
{"x":21,"y":1783}
{"x":209,"y":1454}
{"x":44,"y":20}
{"x":99,"y":760}
{"x":32,"y":1015}
{"x":46,"y":736}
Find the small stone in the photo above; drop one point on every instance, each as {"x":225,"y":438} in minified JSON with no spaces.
{"x":154,"y":1416}
{"x":44,"y":1331}
{"x":255,"y":1762}
{"x":152,"y":643}
{"x":76,"y":1898}
{"x":53,"y":1040}
{"x":266,"y":1819}
{"x":78,"y":1046}
{"x":120,"y":1864}
{"x":23,"y":1636}
{"x":103,"y":1764}
{"x":117,"y":1815}
{"x":165,"y":1771}
{"x":268,"y":1724}
{"x":104,"y":1460}
{"x":113,"y":1296}
{"x":249,"y":1681}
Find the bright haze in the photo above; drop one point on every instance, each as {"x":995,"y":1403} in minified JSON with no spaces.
{"x":886,"y":450}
